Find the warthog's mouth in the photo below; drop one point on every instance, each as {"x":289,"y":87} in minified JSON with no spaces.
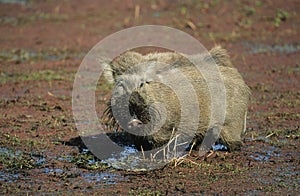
{"x":147,"y":117}
{"x":134,"y":123}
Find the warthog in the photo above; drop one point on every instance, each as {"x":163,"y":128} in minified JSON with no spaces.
{"x":145,"y":104}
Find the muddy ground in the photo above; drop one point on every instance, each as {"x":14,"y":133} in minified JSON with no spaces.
{"x":42,"y":44}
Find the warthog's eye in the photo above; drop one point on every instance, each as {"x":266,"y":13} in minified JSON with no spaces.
{"x":141,"y":84}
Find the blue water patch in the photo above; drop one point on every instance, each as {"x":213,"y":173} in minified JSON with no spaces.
{"x":48,"y":170}
{"x":22,"y":2}
{"x":68,"y":159}
{"x":40,"y":161}
{"x":10,"y":153}
{"x":85,"y":150}
{"x":219,"y":147}
{"x":106,"y":178}
{"x":255,"y":48}
{"x":4,"y":150}
{"x":127,"y":153}
{"x":8,"y":177}
{"x":266,"y":154}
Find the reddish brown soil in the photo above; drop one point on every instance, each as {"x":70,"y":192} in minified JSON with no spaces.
{"x":37,"y":149}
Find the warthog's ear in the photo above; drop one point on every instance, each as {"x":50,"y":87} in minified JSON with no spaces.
{"x":107,"y":71}
{"x":220,"y":56}
{"x":119,"y":65}
{"x":124,"y":62}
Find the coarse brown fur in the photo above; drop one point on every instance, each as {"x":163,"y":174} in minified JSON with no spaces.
{"x":141,"y":86}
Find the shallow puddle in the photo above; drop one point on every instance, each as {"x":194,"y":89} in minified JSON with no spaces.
{"x":47,"y":170}
{"x":40,"y":162}
{"x":131,"y":159}
{"x":8,"y":177}
{"x":219,"y":147}
{"x":104,"y":178}
{"x":265,"y":154}
{"x":255,"y":48}
{"x":22,"y":2}
{"x":8,"y":152}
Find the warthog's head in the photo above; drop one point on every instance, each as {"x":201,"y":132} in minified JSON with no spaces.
{"x":127,"y":110}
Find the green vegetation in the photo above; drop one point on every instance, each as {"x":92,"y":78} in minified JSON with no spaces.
{"x":27,"y":19}
{"x":249,"y":11}
{"x":88,"y":161}
{"x":145,"y":192}
{"x":13,"y":161}
{"x":43,"y":75}
{"x":22,"y":55}
{"x":281,"y":16}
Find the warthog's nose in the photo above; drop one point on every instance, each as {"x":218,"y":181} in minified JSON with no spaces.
{"x":134,"y":123}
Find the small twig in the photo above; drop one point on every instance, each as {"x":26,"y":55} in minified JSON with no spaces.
{"x":151,"y":157}
{"x":183,"y":143}
{"x":137,"y":12}
{"x":191,"y":25}
{"x":51,"y":94}
{"x":180,"y":160}
{"x":175,"y":144}
{"x":143,"y":152}
{"x":192,"y":147}
{"x":154,"y":155}
{"x":269,"y":135}
{"x":211,"y":153}
{"x":168,"y":148}
{"x":166,"y":145}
